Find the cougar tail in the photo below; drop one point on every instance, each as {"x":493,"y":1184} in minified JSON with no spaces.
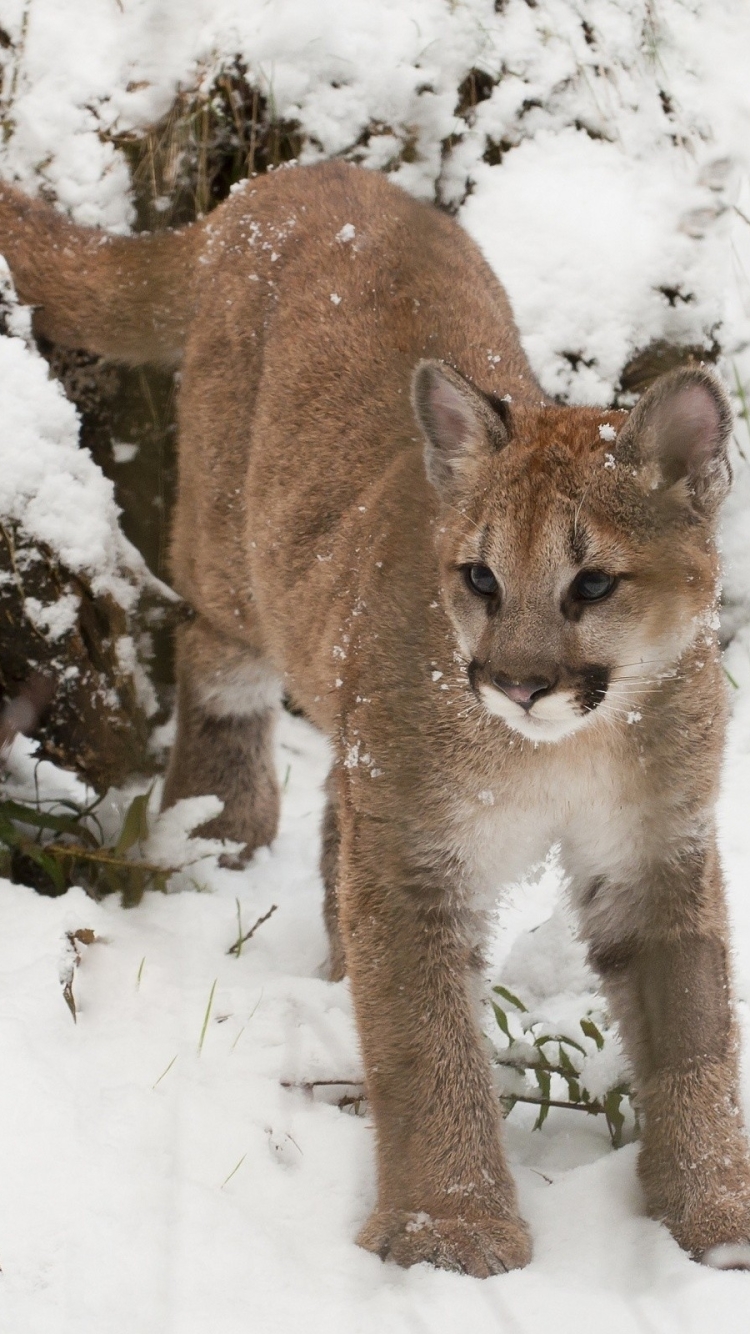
{"x":127,"y":298}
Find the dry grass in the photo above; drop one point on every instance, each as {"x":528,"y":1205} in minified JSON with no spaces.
{"x":215,"y":134}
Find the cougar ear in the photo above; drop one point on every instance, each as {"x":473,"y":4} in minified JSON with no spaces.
{"x":458,"y":421}
{"x":681,"y":427}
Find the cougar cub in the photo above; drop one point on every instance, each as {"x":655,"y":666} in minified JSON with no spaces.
{"x":502,"y":613}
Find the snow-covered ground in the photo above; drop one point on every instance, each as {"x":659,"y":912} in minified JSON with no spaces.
{"x":162,"y":1167}
{"x":150,"y":1184}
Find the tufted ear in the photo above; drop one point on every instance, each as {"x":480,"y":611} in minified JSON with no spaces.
{"x":459,"y":423}
{"x":681,"y":427}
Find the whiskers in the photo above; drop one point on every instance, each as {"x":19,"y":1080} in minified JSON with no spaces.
{"x":637,"y":688}
{"x":641,"y":662}
{"x":624,"y":696}
{"x":634,"y":672}
{"x":615,"y":711}
{"x":609,"y":709}
{"x":634,"y":682}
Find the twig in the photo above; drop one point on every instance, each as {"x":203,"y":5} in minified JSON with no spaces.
{"x":236,"y":948}
{"x":354,"y":1100}
{"x":308,"y":1084}
{"x":594,"y":1108}
{"x":104,"y":856}
{"x":524,"y":1066}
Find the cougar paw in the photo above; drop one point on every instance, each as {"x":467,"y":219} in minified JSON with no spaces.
{"x":719,"y":1234}
{"x":477,"y":1246}
{"x":729,"y":1255}
{"x":714,"y":1229}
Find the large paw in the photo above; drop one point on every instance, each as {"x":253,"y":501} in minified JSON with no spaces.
{"x":718,"y":1234}
{"x":702,"y":1195}
{"x":729,"y":1255}
{"x":479,"y":1246}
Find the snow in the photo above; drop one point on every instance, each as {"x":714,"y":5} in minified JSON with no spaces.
{"x":151,"y":1181}
{"x":149,"y":1186}
{"x":601,"y":232}
{"x":123,"y":451}
{"x":128,"y":662}
{"x":53,"y":491}
{"x":55,"y":620}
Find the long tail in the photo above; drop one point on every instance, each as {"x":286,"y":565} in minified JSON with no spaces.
{"x":127,"y":298}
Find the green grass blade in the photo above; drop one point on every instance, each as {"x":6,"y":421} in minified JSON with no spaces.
{"x":207,"y":1016}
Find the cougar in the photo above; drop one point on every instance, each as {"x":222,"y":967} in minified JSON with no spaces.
{"x":502,"y":612}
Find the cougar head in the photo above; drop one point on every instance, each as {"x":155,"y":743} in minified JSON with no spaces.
{"x":576,"y":546}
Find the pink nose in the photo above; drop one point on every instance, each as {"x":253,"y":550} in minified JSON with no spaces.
{"x":525,"y":693}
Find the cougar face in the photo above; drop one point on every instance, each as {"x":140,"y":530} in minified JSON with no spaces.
{"x":576,"y":562}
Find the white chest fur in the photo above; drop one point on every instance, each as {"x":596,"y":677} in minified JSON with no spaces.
{"x":574,"y":796}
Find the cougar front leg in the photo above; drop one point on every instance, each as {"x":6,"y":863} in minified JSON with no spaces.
{"x":666,"y":976}
{"x":445,"y":1193}
{"x":227,"y":701}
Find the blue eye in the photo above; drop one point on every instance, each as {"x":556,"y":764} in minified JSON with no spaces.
{"x":592,"y":585}
{"x":481,"y":580}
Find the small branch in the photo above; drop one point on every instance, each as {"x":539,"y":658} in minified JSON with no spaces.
{"x":354,"y":1100}
{"x":524,"y":1067}
{"x":307,"y":1084}
{"x":105,"y":857}
{"x":594,"y":1108}
{"x":236,"y":948}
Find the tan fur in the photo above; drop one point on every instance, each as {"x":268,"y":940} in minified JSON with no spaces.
{"x":324,"y":526}
{"x":78,"y":279}
{"x":329,"y":870}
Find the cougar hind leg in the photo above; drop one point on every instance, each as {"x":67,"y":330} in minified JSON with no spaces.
{"x":329,"y":870}
{"x":228,"y":698}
